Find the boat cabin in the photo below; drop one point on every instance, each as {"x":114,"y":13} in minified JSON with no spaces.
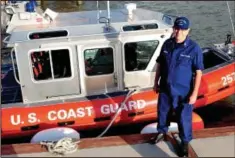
{"x":84,"y":53}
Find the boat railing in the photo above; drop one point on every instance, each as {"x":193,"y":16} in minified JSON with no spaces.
{"x":10,"y":94}
{"x":10,"y":88}
{"x":13,"y":66}
{"x":6,"y":39}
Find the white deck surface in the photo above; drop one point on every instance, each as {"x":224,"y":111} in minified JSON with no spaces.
{"x":215,"y":146}
{"x":162,"y":149}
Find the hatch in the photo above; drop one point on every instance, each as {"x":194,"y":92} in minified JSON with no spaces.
{"x":140,"y":27}
{"x":48,"y":34}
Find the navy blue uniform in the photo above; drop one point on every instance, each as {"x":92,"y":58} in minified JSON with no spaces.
{"x":178,"y":64}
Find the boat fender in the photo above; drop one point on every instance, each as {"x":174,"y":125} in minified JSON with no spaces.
{"x":152,"y":128}
{"x":55,"y":134}
{"x":59,"y":140}
{"x":197,"y":124}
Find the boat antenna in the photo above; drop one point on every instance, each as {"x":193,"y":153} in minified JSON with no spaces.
{"x":230,"y":18}
{"x":107,"y":22}
{"x":98,"y":11}
{"x":108,"y":9}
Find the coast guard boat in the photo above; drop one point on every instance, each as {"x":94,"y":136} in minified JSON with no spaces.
{"x":91,"y":69}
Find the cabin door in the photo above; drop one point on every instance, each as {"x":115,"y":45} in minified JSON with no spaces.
{"x":139,"y":59}
{"x":47,"y":73}
{"x":99,"y":61}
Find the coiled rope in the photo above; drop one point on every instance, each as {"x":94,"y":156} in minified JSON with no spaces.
{"x":63,"y":146}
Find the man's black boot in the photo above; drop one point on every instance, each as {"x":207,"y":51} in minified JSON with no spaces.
{"x":185,"y":149}
{"x":159,"y":137}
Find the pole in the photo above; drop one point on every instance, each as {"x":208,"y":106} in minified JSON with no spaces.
{"x":79,"y":2}
{"x":43,"y":4}
{"x":108,"y":8}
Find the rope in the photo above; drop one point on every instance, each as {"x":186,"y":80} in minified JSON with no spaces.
{"x":61,"y":147}
{"x":117,"y":112}
{"x":67,"y":146}
{"x":230,"y":18}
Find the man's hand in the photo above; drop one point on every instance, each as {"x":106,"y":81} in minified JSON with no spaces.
{"x":156,"y":88}
{"x":192,"y":99}
{"x":157,"y":76}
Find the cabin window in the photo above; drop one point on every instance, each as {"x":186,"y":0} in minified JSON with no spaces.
{"x":51,"y":64}
{"x":169,"y":19}
{"x":140,"y":27}
{"x":138,"y":54}
{"x":49,"y":34}
{"x":6,"y":63}
{"x":99,"y":61}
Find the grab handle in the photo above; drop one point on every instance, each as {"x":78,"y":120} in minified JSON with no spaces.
{"x":28,"y":128}
{"x":132,"y":114}
{"x":65,"y":123}
{"x":14,"y":66}
{"x":100,"y":119}
{"x":10,"y":10}
{"x":5,"y":40}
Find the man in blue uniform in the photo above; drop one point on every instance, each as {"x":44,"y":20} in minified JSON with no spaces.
{"x":179,"y":67}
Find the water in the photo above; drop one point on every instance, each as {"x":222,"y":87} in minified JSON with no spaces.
{"x":210,"y":20}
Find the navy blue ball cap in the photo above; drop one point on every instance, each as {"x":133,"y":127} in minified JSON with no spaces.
{"x":182,"y":23}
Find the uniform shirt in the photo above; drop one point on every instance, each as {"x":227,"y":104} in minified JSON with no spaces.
{"x":178,"y":64}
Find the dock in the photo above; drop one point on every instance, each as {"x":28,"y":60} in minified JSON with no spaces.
{"x":207,"y":142}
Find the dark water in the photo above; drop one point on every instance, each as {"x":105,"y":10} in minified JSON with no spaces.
{"x":210,"y":24}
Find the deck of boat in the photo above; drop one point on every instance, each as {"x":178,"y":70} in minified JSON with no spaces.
{"x":207,"y":142}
